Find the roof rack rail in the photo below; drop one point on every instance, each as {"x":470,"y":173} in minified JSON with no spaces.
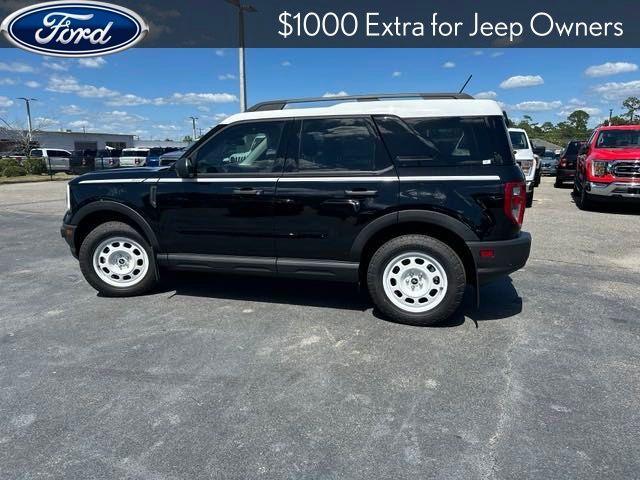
{"x":281,"y":104}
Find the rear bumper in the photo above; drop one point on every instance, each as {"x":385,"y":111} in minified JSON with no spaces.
{"x":495,"y":259}
{"x":630,"y":190}
{"x":564,"y":174}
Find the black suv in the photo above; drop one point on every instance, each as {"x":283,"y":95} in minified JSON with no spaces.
{"x":414,"y":195}
{"x":566,"y":171}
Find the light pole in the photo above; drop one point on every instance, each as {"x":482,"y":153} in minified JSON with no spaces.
{"x":193,"y":123}
{"x":27,"y":102}
{"x":243,"y":82}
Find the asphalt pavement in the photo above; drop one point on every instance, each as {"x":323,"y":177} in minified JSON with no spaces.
{"x":240,"y":378}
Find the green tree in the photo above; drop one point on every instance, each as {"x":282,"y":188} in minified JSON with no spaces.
{"x":631,"y":104}
{"x":578,"y":120}
{"x":187,"y":139}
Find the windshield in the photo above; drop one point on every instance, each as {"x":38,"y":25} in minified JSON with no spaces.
{"x":519,"y":140}
{"x":135,"y":153}
{"x":618,"y":139}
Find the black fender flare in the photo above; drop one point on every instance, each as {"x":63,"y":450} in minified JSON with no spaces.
{"x":409,"y":216}
{"x":111,"y":206}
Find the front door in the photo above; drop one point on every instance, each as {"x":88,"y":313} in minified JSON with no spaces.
{"x":337,"y":178}
{"x":227,"y":209}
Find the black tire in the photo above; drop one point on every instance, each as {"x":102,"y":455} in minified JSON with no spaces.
{"x":583,"y":201}
{"x":92,"y":241}
{"x":557,"y":183}
{"x":529,"y":203}
{"x":439,"y":251}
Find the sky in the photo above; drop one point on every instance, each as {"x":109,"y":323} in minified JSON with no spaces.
{"x":153,"y":92}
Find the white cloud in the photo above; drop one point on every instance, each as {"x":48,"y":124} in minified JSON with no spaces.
{"x":576,"y":101}
{"x":32,"y":84}
{"x":92,"y":62}
{"x":204,"y":108}
{"x":81,"y":124}
{"x":227,"y":76}
{"x":16,"y":67}
{"x":55,"y":66}
{"x":5,"y":102}
{"x":119,"y":116}
{"x":200,"y":98}
{"x":565,"y":112}
{"x":490,"y":95}
{"x":477,"y":53}
{"x":610,"y":68}
{"x":618,"y":90}
{"x":7,"y":81}
{"x":520,"y":81}
{"x":220,"y":52}
{"x":448,"y":65}
{"x":167,"y":127}
{"x":127,"y":100}
{"x":72,"y":110}
{"x":496,"y":54}
{"x":44,"y":122}
{"x":286,"y":63}
{"x":396,"y":74}
{"x":536,"y":106}
{"x":341,"y":93}
{"x":68,"y":84}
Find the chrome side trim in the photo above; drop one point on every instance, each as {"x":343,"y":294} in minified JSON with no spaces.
{"x":115,"y":180}
{"x":449,"y":178}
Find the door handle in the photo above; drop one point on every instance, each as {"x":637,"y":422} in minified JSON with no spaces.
{"x":247,"y":191}
{"x":361,"y":193}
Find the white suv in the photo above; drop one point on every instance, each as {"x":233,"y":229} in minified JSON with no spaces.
{"x":525,"y":158}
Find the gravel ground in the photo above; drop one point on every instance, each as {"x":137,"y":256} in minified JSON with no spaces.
{"x":229,"y":377}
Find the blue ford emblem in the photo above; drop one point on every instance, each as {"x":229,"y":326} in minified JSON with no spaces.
{"x":74,"y":29}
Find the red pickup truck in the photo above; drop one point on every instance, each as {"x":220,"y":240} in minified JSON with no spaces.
{"x":608,"y":166}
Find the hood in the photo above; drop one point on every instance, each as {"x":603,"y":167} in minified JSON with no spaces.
{"x":116,"y":173}
{"x":612,"y":154}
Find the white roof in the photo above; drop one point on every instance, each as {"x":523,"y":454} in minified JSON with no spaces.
{"x":400,"y":108}
{"x":511,"y":129}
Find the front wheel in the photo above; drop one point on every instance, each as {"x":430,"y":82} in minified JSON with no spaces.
{"x":583,"y":200}
{"x":416,"y":279}
{"x":117,"y":261}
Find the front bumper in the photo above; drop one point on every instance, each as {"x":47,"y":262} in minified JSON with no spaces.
{"x":495,"y":259}
{"x":614,"y":189}
{"x":68,"y":232}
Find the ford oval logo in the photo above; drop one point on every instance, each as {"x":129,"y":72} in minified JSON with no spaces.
{"x":74,"y":29}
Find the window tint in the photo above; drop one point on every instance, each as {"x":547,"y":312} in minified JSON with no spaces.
{"x":337,"y":144}
{"x":36,"y":153}
{"x":59,"y":153}
{"x":446,"y":141}
{"x":244,"y":148}
{"x":572,"y":148}
{"x":618,"y":139}
{"x":519,"y":140}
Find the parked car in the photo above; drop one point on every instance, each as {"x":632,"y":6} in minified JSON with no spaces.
{"x":168,"y":159}
{"x":134,"y":157}
{"x":549,"y":163}
{"x":107,"y":158}
{"x":538,"y":153}
{"x":54,"y":159}
{"x":525,"y":158}
{"x":82,"y":161}
{"x":393,"y":193}
{"x":567,"y":165}
{"x":608,"y":166}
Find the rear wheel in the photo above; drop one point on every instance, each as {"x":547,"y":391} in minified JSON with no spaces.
{"x":117,"y":261}
{"x":557,"y":183}
{"x":583,"y":200}
{"x":529,"y":203}
{"x":416,"y":279}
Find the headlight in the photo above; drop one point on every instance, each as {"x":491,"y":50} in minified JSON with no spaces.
{"x":599,"y":168}
{"x":526,"y":166}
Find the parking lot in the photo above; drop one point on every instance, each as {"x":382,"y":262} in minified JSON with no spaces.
{"x":229,"y":377}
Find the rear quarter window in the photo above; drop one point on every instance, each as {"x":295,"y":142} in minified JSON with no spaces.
{"x":446,"y":141}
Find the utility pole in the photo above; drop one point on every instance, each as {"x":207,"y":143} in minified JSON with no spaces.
{"x":27,"y":103}
{"x":241,"y":59}
{"x":193,"y":123}
{"x":610,"y":115}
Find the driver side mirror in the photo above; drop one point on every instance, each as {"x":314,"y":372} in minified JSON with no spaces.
{"x":584,"y":150}
{"x":184,"y":167}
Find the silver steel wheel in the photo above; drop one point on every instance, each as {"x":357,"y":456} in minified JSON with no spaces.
{"x":415,"y":282}
{"x":120,"y":262}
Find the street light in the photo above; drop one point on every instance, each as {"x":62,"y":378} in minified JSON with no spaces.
{"x":193,"y":122}
{"x":26,"y":101}
{"x":243,"y":83}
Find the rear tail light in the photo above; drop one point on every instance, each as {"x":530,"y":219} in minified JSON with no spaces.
{"x":563,"y":162}
{"x":515,"y":199}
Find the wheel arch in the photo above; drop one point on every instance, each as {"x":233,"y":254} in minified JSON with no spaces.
{"x":93,"y":214}
{"x":438,"y":225}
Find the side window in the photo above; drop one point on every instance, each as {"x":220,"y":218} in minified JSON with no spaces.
{"x":36,"y":153}
{"x":336,"y":144}
{"x":243,"y":148}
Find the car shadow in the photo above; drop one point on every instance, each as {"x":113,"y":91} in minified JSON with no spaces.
{"x":615,"y":207}
{"x":498,"y":300}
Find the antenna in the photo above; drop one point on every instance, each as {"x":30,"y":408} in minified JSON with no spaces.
{"x":465,"y":83}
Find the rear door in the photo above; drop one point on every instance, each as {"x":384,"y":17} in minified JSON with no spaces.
{"x":337,"y":178}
